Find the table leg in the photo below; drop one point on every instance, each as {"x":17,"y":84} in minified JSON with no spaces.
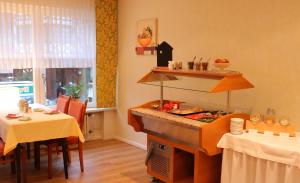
{"x":36,"y":155}
{"x":65,"y":157}
{"x":23,"y":165}
{"x":13,"y":167}
{"x":18,"y":162}
{"x":28,"y":150}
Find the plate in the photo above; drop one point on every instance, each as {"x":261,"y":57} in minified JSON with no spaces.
{"x":206,"y":119}
{"x":51,"y":112}
{"x":186,"y":111}
{"x":38,"y":110}
{"x":24,"y":118}
{"x":13,"y":116}
{"x":203,"y":117}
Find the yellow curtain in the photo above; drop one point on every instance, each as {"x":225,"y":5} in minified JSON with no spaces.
{"x":106,"y":52}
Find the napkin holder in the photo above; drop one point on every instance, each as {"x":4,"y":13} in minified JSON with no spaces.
{"x":23,"y":105}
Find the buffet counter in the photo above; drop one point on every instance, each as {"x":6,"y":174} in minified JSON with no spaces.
{"x":170,"y":118}
{"x":181,"y":149}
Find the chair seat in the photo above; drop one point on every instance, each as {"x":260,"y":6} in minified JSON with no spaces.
{"x":73,"y":140}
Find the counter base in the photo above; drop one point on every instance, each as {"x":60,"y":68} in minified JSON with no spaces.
{"x":177,"y":163}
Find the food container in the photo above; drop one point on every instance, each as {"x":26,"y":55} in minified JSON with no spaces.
{"x":221,"y":66}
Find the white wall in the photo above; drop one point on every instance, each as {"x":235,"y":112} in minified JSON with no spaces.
{"x":109,"y":126}
{"x":261,"y":38}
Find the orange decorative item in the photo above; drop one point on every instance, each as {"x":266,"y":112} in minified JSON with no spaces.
{"x":221,"y":63}
{"x":221,"y":60}
{"x":144,"y":41}
{"x":146,"y":37}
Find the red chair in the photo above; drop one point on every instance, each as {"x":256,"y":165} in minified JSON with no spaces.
{"x":10,"y":158}
{"x":77,"y":110}
{"x":62,"y":104}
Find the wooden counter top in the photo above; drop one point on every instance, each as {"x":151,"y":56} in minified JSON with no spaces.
{"x":179,"y":120}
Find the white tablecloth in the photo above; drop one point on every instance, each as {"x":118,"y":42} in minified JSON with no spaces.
{"x":256,"y":158}
{"x":41,"y":127}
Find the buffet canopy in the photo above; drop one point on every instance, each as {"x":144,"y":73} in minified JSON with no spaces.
{"x":227,"y":80}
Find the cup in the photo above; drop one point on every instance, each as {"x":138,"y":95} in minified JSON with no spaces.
{"x":198,"y":66}
{"x":255,"y":118}
{"x":170,"y":65}
{"x":270,"y":116}
{"x":180,"y":65}
{"x":176,"y":65}
{"x":204,"y":66}
{"x":191,"y":65}
{"x":284,"y":121}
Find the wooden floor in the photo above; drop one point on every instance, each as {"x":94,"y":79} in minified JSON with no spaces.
{"x":105,"y":162}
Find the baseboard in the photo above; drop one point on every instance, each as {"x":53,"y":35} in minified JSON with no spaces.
{"x":131,"y":142}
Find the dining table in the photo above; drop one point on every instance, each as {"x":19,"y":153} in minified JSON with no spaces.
{"x":37,"y":125}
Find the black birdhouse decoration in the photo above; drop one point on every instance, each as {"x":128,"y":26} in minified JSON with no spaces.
{"x":164,"y":54}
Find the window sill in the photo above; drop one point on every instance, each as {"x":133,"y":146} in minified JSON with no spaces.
{"x":95,"y":109}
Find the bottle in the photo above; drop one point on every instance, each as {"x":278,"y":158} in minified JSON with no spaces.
{"x":26,"y":107}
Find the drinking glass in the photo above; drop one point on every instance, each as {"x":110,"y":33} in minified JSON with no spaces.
{"x":255,"y":118}
{"x":284,"y":121}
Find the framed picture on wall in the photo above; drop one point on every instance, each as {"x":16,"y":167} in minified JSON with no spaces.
{"x":146,"y":38}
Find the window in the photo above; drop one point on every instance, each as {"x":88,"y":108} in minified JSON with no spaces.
{"x":20,"y":79}
{"x":69,"y":81}
{"x":48,"y":48}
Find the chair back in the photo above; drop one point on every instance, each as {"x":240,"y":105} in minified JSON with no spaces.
{"x":1,"y":148}
{"x":77,"y":110}
{"x":63,"y":103}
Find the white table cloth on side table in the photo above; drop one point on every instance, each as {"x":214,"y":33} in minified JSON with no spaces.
{"x":257,"y":158}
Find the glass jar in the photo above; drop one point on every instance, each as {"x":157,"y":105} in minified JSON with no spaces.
{"x":270,"y":116}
